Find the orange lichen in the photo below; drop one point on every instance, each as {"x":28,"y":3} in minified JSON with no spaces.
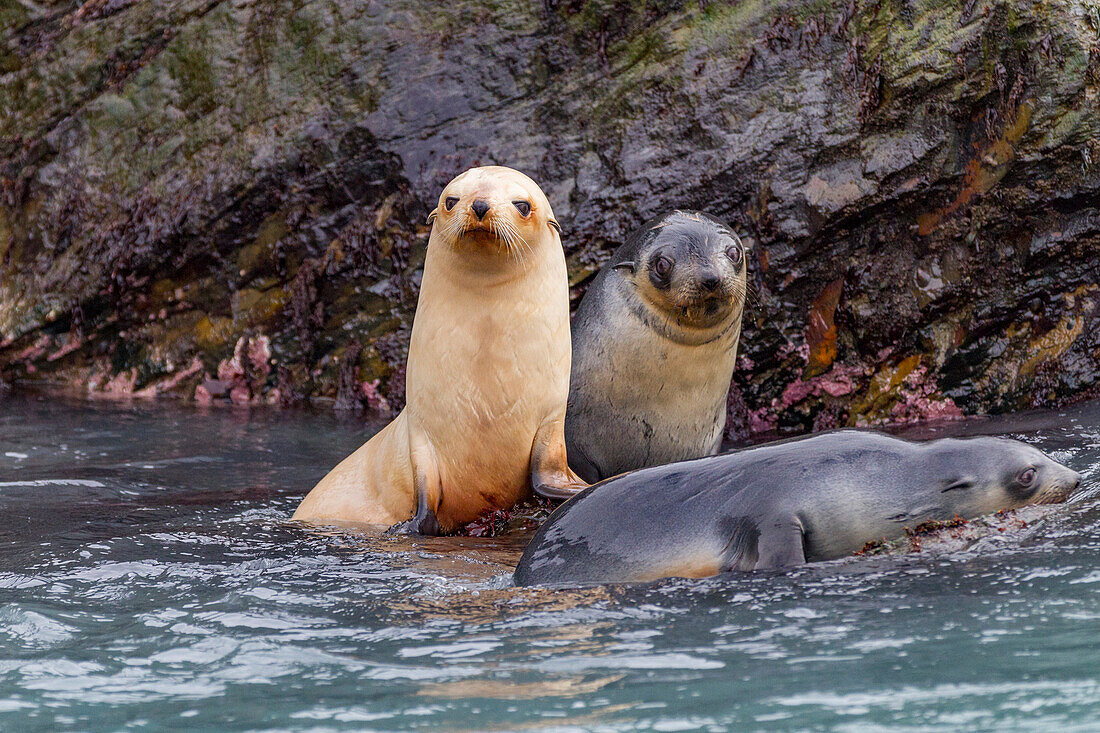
{"x":984,"y":171}
{"x":1059,"y":339}
{"x":821,"y":330}
{"x":883,"y":386}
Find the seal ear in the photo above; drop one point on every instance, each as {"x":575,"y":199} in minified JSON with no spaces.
{"x":554,"y":225}
{"x":432,"y":215}
{"x":628,"y":265}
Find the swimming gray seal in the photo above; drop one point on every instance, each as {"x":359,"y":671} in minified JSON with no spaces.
{"x":781,"y":505}
{"x":654,"y":345}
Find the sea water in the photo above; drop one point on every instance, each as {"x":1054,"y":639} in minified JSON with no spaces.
{"x":150,"y":579}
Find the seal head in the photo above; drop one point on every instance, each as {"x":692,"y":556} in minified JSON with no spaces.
{"x":688,"y":271}
{"x":987,"y":475}
{"x":654,"y":347}
{"x":493,"y":211}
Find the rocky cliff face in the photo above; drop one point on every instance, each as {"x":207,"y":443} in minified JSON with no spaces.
{"x":227,"y":198}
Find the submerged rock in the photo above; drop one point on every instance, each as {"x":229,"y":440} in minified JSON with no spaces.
{"x":919,"y":181}
{"x":1009,"y":526}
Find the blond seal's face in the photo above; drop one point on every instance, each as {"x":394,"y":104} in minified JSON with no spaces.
{"x":494,"y":209}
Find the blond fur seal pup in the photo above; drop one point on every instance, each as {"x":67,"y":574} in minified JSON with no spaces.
{"x":654,"y":345}
{"x":487,"y":376}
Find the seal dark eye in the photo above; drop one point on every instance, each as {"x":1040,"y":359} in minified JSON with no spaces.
{"x":735,"y":253}
{"x":522,"y":207}
{"x":660,"y":270}
{"x":450,"y":202}
{"x":1026,"y":477}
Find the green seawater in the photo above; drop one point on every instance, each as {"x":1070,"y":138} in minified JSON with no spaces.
{"x":150,"y":580}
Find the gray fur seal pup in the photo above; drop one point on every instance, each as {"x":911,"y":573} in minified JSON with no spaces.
{"x":781,"y":505}
{"x":654,"y":345}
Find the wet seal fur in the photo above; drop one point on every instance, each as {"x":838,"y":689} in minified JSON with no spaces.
{"x":781,"y":505}
{"x":487,"y":377}
{"x":654,"y":346}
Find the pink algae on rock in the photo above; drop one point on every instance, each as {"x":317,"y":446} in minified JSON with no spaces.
{"x":918,"y":400}
{"x":172,"y":381}
{"x":242,"y":377}
{"x":374,"y":399}
{"x":837,"y":382}
{"x":762,"y":420}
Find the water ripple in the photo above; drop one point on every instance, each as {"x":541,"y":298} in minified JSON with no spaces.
{"x":148,"y":574}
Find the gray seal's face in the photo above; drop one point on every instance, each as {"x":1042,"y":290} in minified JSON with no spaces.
{"x":691,"y":268}
{"x":985,"y":475}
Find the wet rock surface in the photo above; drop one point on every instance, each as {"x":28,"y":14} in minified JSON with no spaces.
{"x":959,"y":535}
{"x":227,"y":199}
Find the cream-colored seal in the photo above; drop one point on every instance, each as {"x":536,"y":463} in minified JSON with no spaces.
{"x":488,"y":371}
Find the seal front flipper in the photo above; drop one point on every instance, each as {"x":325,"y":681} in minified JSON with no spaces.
{"x":781,"y":544}
{"x":428,"y":491}
{"x":581,"y":464}
{"x":424,"y":522}
{"x":742,"y":548}
{"x":551,"y":477}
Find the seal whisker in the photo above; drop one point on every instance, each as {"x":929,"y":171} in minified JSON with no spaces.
{"x":517,"y":242}
{"x":523,"y":242}
{"x":496,"y":227}
{"x":452,"y":229}
{"x":747,"y":293}
{"x":501,"y":244}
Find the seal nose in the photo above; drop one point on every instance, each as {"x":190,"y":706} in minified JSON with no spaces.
{"x":710,"y":281}
{"x":480,"y":207}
